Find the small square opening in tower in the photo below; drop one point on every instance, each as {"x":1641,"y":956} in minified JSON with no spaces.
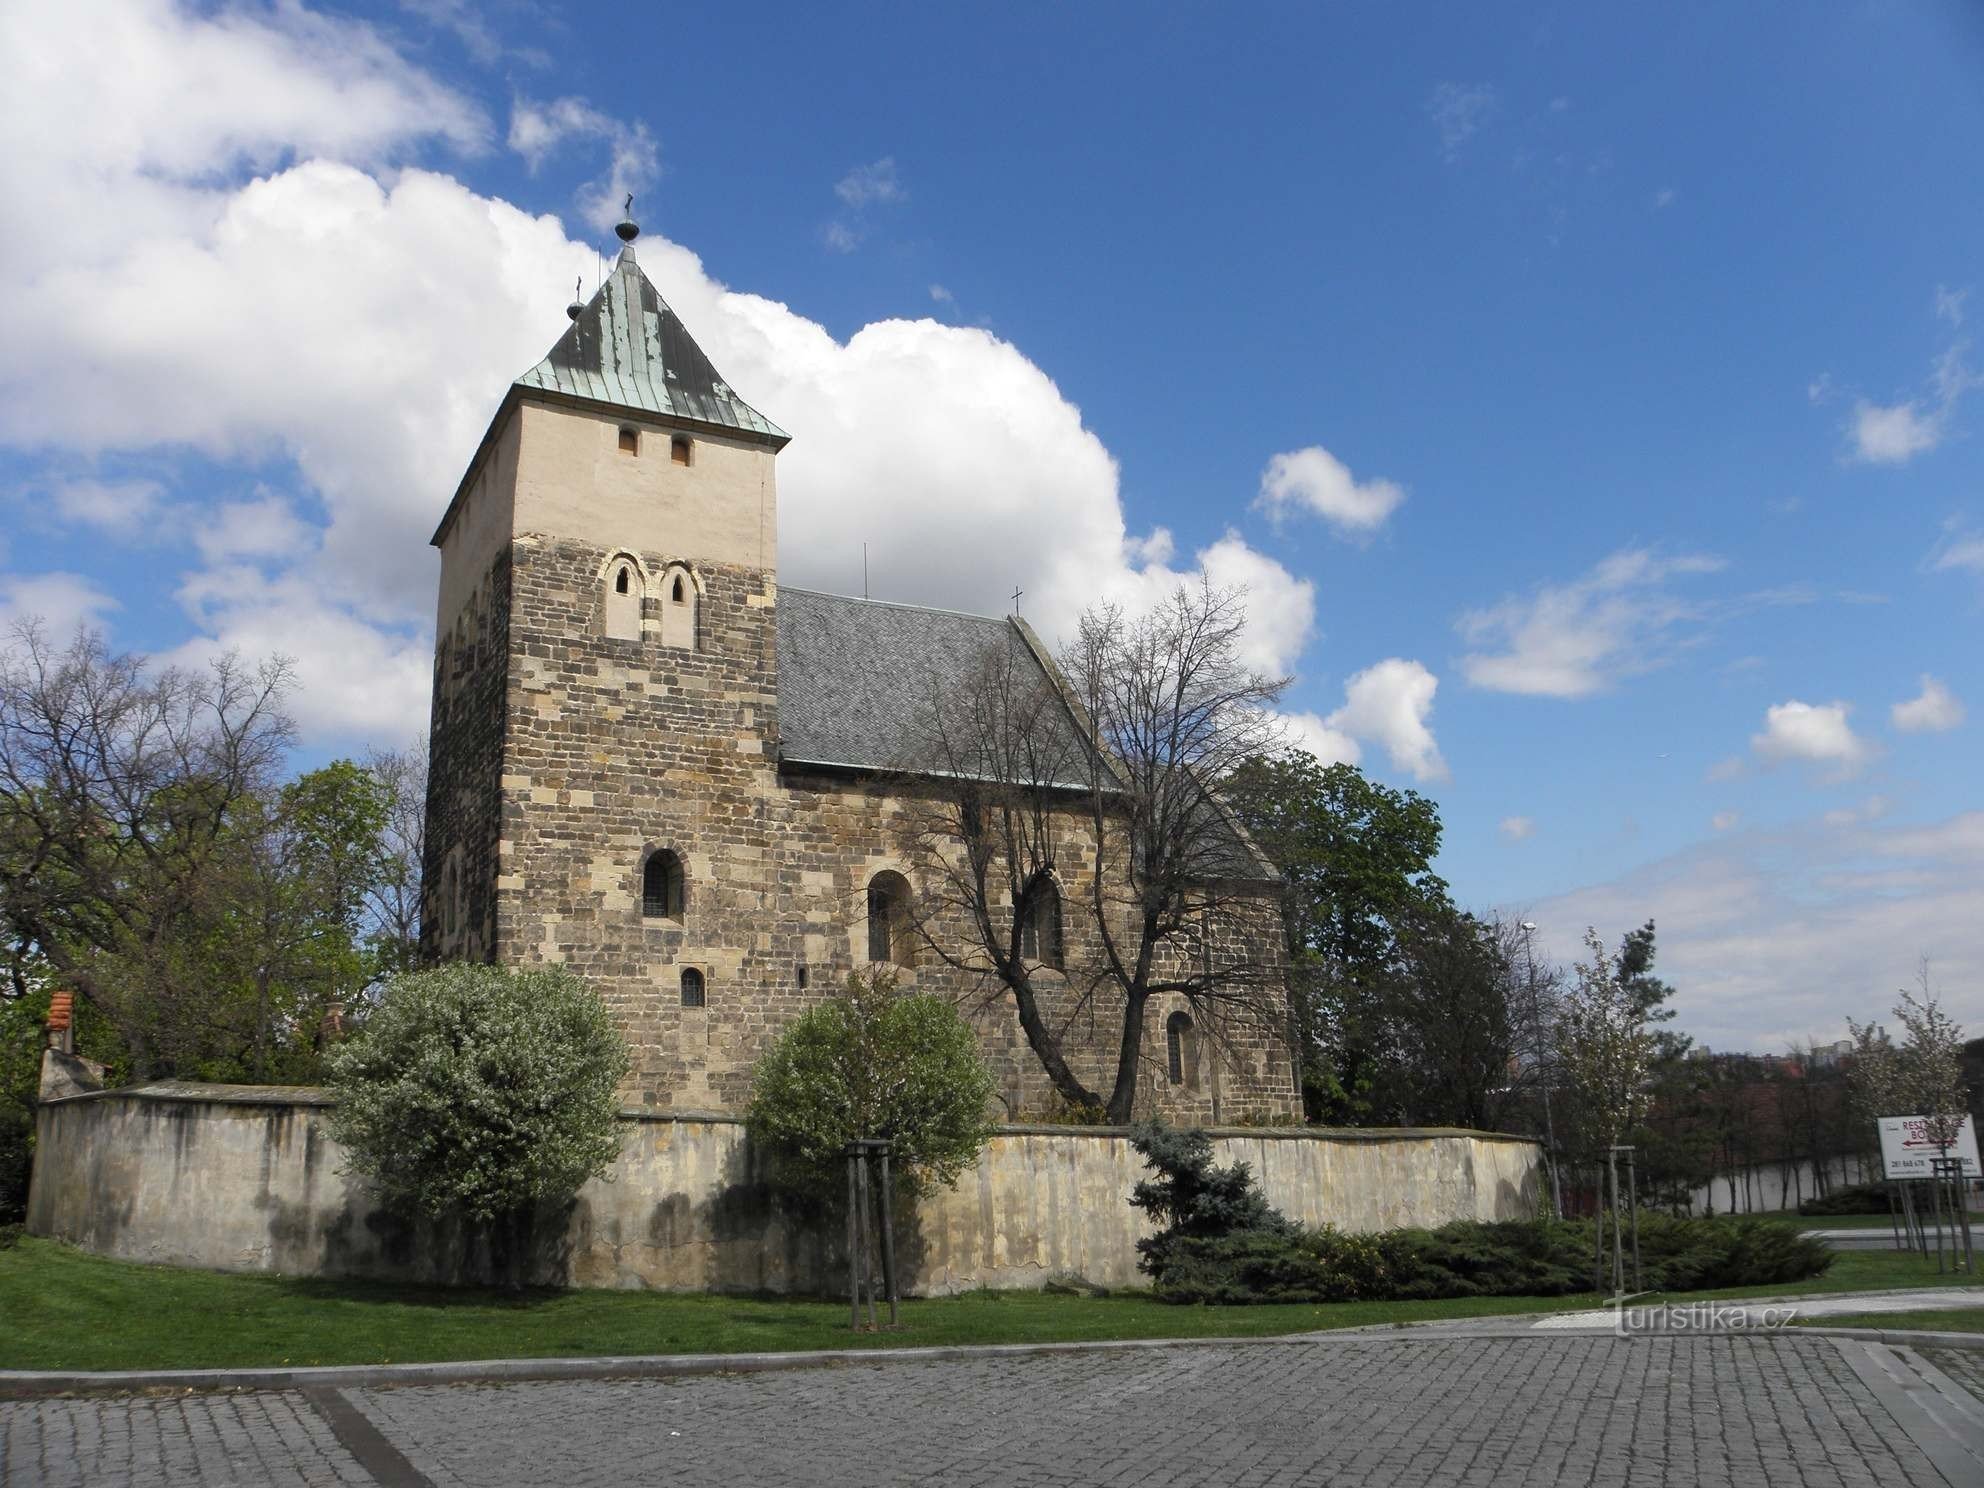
{"x":630,"y":441}
{"x":679,"y":449}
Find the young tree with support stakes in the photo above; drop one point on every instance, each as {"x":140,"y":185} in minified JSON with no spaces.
{"x":1606,"y":1052}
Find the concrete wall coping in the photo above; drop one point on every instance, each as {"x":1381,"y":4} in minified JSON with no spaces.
{"x":318,"y":1096}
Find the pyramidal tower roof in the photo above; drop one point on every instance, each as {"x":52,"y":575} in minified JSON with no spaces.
{"x":628,"y":349}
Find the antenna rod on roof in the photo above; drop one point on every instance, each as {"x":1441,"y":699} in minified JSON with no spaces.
{"x":864,"y":570}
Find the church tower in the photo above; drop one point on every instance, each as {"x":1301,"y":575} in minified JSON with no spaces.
{"x":605,"y":715}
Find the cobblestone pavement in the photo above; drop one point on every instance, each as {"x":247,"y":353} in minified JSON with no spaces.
{"x":1470,"y":1412}
{"x":1965,"y":1366}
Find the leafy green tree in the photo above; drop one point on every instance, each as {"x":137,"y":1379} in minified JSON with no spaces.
{"x":1355,"y":859}
{"x":1674,"y":1149}
{"x":1633,"y":967}
{"x":21,"y":1018}
{"x":1451,"y":1036}
{"x":123,"y":789}
{"x":480,"y":1092}
{"x":873,"y":1063}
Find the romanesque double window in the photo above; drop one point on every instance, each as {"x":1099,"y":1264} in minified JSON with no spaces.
{"x":888,"y":919}
{"x":625,"y":588}
{"x":678,"y":608}
{"x":663,"y":892}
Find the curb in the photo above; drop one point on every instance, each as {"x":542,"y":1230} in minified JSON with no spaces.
{"x":25,"y":1384}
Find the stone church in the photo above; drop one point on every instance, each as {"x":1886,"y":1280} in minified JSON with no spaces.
{"x":653,"y":763}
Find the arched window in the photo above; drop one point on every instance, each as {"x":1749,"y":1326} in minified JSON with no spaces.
{"x":692,"y":987}
{"x":624,"y":586}
{"x":678,"y":610}
{"x":680,"y":450}
{"x":1040,"y":930}
{"x":1181,"y":1051}
{"x":888,"y":919}
{"x":662,"y":888}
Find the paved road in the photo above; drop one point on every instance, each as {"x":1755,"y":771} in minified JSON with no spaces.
{"x":1471,"y":1412}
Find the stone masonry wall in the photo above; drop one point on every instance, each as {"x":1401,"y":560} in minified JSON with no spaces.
{"x":240,"y":1178}
{"x":464,"y":783}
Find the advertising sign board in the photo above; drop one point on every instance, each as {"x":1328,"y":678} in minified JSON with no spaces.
{"x":1906,"y":1150}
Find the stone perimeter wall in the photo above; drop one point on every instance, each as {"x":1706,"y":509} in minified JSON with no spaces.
{"x":246,"y":1179}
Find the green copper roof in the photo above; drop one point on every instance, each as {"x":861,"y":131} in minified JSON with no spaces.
{"x":628,"y":349}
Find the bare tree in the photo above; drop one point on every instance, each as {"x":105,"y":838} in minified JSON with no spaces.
{"x":118,"y":786}
{"x":1068,"y":821}
{"x":392,"y":900}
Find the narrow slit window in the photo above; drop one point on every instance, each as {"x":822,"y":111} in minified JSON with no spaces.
{"x":1181,"y":1051}
{"x":676,"y":592}
{"x":888,"y":920}
{"x":620,"y":582}
{"x":630,"y":441}
{"x":802,"y":976}
{"x":692,"y":987}
{"x":679,"y":449}
{"x":1040,"y":931}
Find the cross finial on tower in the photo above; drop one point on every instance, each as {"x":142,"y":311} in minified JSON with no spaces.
{"x":577,"y":308}
{"x":628,"y":229}
{"x":1017,"y":592}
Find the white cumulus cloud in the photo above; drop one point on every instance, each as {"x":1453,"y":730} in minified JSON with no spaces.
{"x":1811,"y":733}
{"x":1895,"y":433}
{"x":60,"y":601}
{"x":1517,"y":828}
{"x":1308,"y":731}
{"x":1573,"y":640}
{"x":1389,"y":705}
{"x":1315,"y":480}
{"x":1934,"y":709}
{"x":1891,"y":434}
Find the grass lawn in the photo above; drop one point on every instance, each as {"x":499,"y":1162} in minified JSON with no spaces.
{"x":1947,"y":1320}
{"x":63,"y":1309}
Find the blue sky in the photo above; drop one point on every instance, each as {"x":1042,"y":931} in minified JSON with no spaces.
{"x":1588,"y":396}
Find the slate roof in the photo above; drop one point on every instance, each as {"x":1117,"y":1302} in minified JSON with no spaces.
{"x":629,"y":350}
{"x":857,"y":677}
